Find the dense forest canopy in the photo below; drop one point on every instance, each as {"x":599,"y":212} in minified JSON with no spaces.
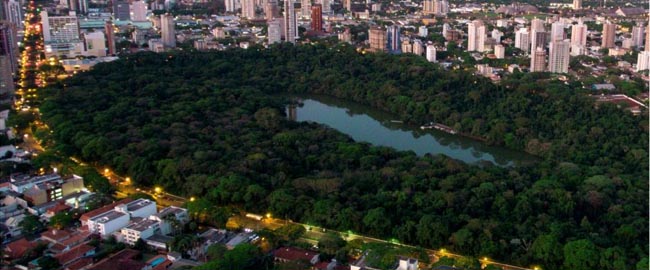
{"x":211,"y":125}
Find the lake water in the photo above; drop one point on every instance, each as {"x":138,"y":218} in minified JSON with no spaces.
{"x":366,"y":124}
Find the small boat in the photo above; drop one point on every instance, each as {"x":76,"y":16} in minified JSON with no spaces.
{"x":397,"y":121}
{"x":440,"y":127}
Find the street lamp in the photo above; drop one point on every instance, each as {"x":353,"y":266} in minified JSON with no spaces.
{"x":106,"y":171}
{"x":157,"y":189}
{"x":192,"y":199}
{"x":268,"y":215}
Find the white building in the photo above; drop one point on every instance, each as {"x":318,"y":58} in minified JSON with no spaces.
{"x":638,"y":35}
{"x":431,"y":53}
{"x":248,"y":9}
{"x":290,"y":23}
{"x":522,"y":39}
{"x":139,"y":230}
{"x":578,"y":39}
{"x":497,"y":35}
{"x":95,"y":44}
{"x":423,"y":31}
{"x":557,"y":31}
{"x":418,"y":47}
{"x":165,"y":215}
{"x":499,"y":51}
{"x":141,"y":208}
{"x":407,"y":264}
{"x":108,"y":222}
{"x":231,"y":5}
{"x":476,"y":36}
{"x":59,"y":29}
{"x":643,"y":61}
{"x":138,"y":10}
{"x":538,"y":60}
{"x":558,"y":58}
{"x":156,"y":45}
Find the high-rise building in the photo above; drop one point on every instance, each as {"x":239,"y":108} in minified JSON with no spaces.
{"x":440,"y":7}
{"x":577,"y":4}
{"x":274,"y":31}
{"x":418,"y":47}
{"x":377,"y":39}
{"x":496,"y":35}
{"x":423,"y":31}
{"x":271,"y":10}
{"x":393,"y":39}
{"x":538,"y":39}
{"x":557,"y":31}
{"x":11,"y":11}
{"x":78,"y":6}
{"x":476,"y":36}
{"x":522,"y":39}
{"x":317,"y":18}
{"x":121,"y":10}
{"x":138,"y":11}
{"x":59,"y":28}
{"x":8,"y":60}
{"x":499,"y":51}
{"x":167,"y":30}
{"x":347,"y":5}
{"x":345,"y":36}
{"x":647,"y":38}
{"x":305,"y":8}
{"x":231,"y":5}
{"x":445,"y":28}
{"x":609,"y":35}
{"x":638,"y":35}
{"x":431,"y":53}
{"x":578,"y":39}
{"x":537,"y":25}
{"x":427,"y":6}
{"x":558,"y":57}
{"x":248,"y":9}
{"x":406,"y":47}
{"x":538,"y":60}
{"x":94,"y":44}
{"x":290,"y":24}
{"x":327,"y":6}
{"x":110,"y":37}
{"x":643,"y":61}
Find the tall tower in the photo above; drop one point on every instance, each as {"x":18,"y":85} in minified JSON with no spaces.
{"x":427,"y":6}
{"x":290,"y":30}
{"x":121,"y":10}
{"x":231,"y":5}
{"x":431,"y":53}
{"x":476,"y":36}
{"x":558,"y":58}
{"x":8,"y":60}
{"x":248,"y":9}
{"x":377,"y":39}
{"x":522,"y":39}
{"x":347,"y":5}
{"x":327,"y":6}
{"x":305,"y":8}
{"x":637,"y":35}
{"x":167,"y":31}
{"x":317,"y":18}
{"x":10,"y":11}
{"x":577,"y":4}
{"x":110,"y":37}
{"x":274,"y":31}
{"x":557,"y":31}
{"x":138,"y":11}
{"x":393,"y":43}
{"x":271,"y":10}
{"x":609,"y":35}
{"x":538,"y":60}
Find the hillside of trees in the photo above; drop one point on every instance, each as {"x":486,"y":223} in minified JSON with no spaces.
{"x":211,"y":125}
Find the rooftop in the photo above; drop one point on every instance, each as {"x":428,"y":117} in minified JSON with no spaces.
{"x":20,"y":180}
{"x":138,"y":204}
{"x":172,"y":210}
{"x":74,"y":254}
{"x":142,"y":225}
{"x":123,"y":260}
{"x":103,"y":209}
{"x":108,"y":216}
{"x":294,"y":254}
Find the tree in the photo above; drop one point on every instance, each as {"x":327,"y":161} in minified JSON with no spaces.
{"x":581,"y":255}
{"x":48,"y":263}
{"x":377,"y":221}
{"x":216,"y":252}
{"x":331,"y":243}
{"x":31,"y":225}
{"x":291,"y":232}
{"x":546,"y":248}
{"x":141,"y":245}
{"x":61,"y":220}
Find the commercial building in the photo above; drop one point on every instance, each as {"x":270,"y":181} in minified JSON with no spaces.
{"x":558,"y":59}
{"x":431,"y":53}
{"x":138,"y":10}
{"x":393,"y":39}
{"x":95,"y":44}
{"x":121,"y":10}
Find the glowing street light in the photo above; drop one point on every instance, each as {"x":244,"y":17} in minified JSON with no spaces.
{"x":268,"y":215}
{"x":157,"y":189}
{"x":192,"y":199}
{"x":106,"y":171}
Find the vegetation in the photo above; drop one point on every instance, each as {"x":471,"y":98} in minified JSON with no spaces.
{"x":210,"y":125}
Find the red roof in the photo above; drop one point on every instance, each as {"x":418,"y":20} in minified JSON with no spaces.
{"x":323,"y":266}
{"x":106,"y":208}
{"x":75,"y":253}
{"x":294,"y":254}
{"x":122,"y":260}
{"x":80,"y":264}
{"x":59,"y":207}
{"x":55,"y":235}
{"x":76,"y":238}
{"x":18,"y":248}
{"x":161,"y":266}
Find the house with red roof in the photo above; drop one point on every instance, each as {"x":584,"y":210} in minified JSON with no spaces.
{"x":292,"y":254}
{"x":123,"y":260}
{"x":75,"y":254}
{"x":18,"y":248}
